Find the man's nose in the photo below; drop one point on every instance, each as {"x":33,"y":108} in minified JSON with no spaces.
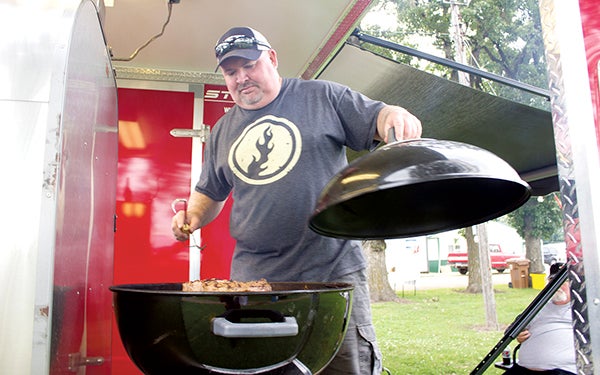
{"x":241,"y":76}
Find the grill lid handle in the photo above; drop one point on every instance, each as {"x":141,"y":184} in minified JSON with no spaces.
{"x":277,"y":326}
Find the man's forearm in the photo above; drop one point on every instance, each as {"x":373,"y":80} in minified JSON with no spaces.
{"x":201,"y":209}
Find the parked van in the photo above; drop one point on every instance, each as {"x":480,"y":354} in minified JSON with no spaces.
{"x":555,"y":252}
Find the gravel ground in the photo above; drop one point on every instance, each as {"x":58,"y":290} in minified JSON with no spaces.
{"x":446,"y":279}
{"x":453,"y":280}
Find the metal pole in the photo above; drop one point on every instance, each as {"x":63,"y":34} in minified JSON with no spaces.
{"x":449,"y":63}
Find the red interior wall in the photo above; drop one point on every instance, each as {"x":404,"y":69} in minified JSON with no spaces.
{"x":216,"y":256}
{"x":153,"y":170}
{"x":590,"y":20}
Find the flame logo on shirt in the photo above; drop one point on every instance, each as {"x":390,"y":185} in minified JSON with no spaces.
{"x":266,"y":150}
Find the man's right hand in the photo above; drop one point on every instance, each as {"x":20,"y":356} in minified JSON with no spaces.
{"x":524,"y":335}
{"x":181,"y":229}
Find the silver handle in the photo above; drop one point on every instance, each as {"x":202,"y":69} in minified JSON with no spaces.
{"x":225,"y":328}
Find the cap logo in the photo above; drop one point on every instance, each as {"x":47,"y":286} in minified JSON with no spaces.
{"x":238,"y":42}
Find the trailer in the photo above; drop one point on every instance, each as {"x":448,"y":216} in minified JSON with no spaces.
{"x":107,"y":105}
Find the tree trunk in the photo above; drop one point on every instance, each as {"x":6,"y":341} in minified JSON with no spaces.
{"x":377,"y":275}
{"x":533,"y":252}
{"x":533,"y":245}
{"x":474,"y":284}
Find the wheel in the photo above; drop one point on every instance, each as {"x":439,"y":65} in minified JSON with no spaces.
{"x":463,"y":270}
{"x":500,"y":270}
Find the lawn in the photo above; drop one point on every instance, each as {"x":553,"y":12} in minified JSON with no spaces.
{"x":442,"y":331}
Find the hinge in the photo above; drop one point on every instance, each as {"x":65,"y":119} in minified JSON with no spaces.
{"x":203,"y":132}
{"x":76,"y":360}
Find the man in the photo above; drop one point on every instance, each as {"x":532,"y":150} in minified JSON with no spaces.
{"x":276,"y":150}
{"x":547,"y":345}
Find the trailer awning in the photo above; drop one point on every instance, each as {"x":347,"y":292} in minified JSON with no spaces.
{"x":519,"y":134}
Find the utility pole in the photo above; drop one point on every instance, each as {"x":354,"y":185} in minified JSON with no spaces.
{"x":458,"y":37}
{"x":457,"y":31}
{"x":487,"y":288}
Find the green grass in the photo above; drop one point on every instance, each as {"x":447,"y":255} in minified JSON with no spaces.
{"x":443,"y":331}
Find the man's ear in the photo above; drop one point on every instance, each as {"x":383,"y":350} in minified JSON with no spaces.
{"x":273,"y":58}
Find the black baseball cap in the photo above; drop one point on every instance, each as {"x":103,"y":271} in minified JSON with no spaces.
{"x":242,"y":42}
{"x":554,"y":268}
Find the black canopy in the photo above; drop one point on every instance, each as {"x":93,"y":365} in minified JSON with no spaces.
{"x":519,"y":134}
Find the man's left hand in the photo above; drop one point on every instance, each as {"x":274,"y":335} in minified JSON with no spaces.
{"x":405,"y":124}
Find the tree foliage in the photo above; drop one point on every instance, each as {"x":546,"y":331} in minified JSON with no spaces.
{"x":503,"y":37}
{"x":541,"y":217}
{"x":538,"y":220}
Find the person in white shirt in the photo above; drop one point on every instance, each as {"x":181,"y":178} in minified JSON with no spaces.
{"x":547,"y":344}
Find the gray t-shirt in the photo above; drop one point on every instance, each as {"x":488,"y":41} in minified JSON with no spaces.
{"x":277,"y":159}
{"x":551,"y":344}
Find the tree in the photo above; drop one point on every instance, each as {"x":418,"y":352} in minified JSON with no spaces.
{"x":502,"y":37}
{"x":377,"y":275}
{"x":474,"y":284}
{"x":539,"y":220}
{"x":374,"y":251}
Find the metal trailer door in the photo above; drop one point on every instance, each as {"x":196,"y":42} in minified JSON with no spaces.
{"x":59,"y":157}
{"x":572,"y":64}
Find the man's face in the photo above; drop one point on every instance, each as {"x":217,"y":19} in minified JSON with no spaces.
{"x":252,"y":84}
{"x":562,"y":295}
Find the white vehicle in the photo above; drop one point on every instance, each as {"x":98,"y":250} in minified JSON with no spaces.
{"x":554,"y":252}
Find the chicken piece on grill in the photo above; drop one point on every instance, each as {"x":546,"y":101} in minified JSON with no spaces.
{"x":222,"y":285}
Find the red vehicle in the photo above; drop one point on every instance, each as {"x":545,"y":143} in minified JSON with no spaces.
{"x":498,"y":259}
